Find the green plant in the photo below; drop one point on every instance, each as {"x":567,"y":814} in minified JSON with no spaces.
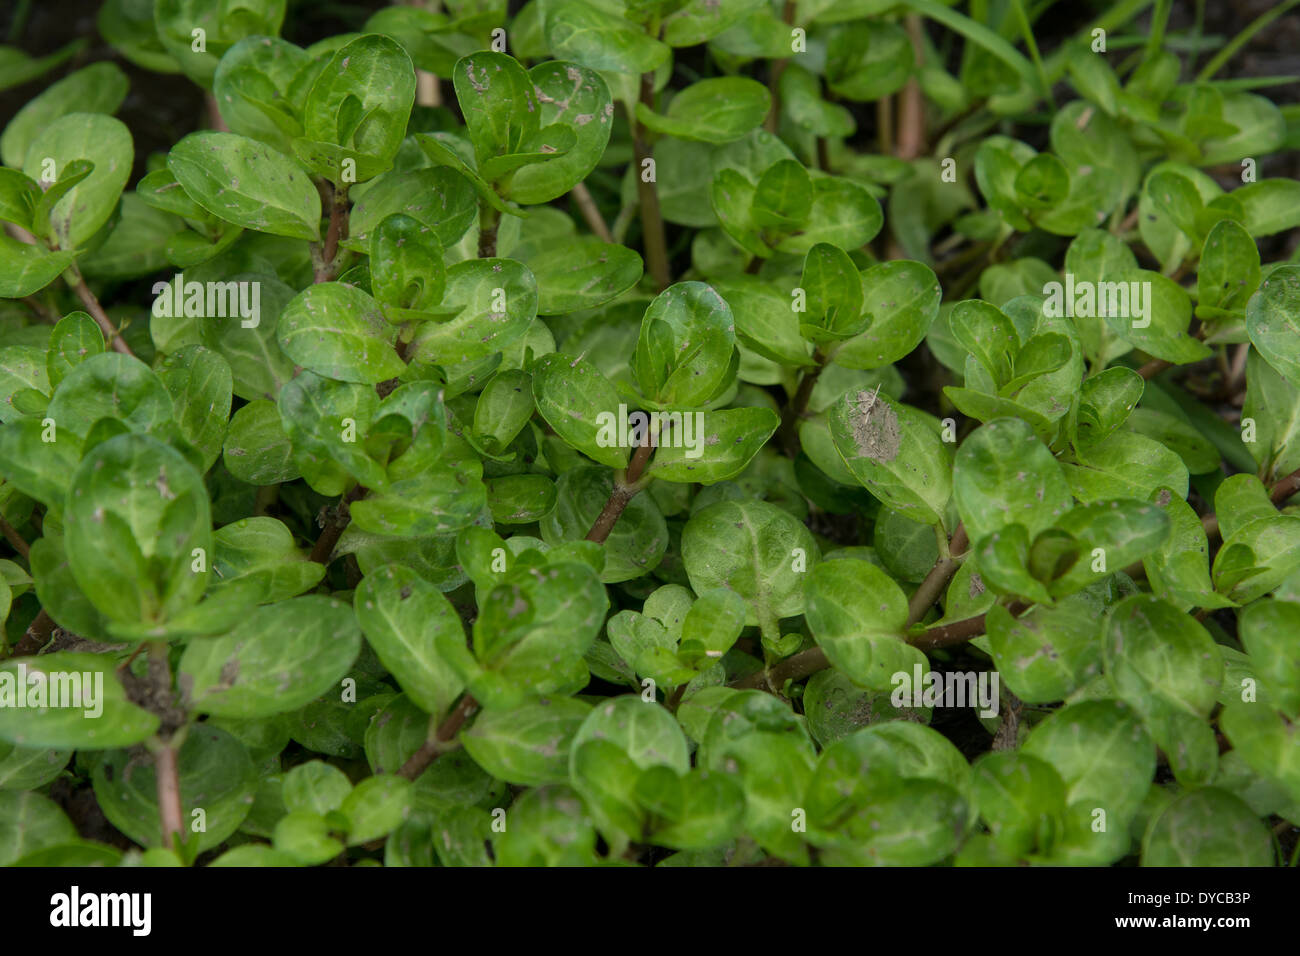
{"x":362,"y":505}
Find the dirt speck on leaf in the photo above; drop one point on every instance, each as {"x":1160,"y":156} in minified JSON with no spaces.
{"x":875,"y":427}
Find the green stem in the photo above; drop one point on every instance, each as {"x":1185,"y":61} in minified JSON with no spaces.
{"x":626,"y":485}
{"x":652,"y":223}
{"x":166,"y":755}
{"x":111,"y":335}
{"x":775,"y":71}
{"x":1117,"y":16}
{"x":440,"y":740}
{"x":794,"y":411}
{"x":1159,"y":19}
{"x":1027,"y":32}
{"x":1241,"y":39}
{"x":489,"y":220}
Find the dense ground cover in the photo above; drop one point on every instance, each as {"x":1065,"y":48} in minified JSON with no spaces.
{"x":674,"y":432}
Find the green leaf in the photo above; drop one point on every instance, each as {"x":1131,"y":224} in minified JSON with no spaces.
{"x":1264,"y":628}
{"x":256,"y":449}
{"x":645,"y":732}
{"x":755,"y":549}
{"x":717,"y":110}
{"x":29,"y":768}
{"x":1042,"y":183}
{"x":137,"y":521}
{"x":765,"y":322}
{"x":902,"y":299}
{"x":1206,"y":827}
{"x":407,"y":275}
{"x":175,"y":21}
{"x":253,"y":85}
{"x":1105,"y":402}
{"x":858,"y":616}
{"x":1168,"y":668}
{"x":98,"y":88}
{"x":531,"y":633}
{"x":581,"y":405}
{"x":692,"y":811}
{"x":1228,"y":273}
{"x":894,"y":792}
{"x":440,"y":198}
{"x":306,"y":838}
{"x":1005,"y":560}
{"x":686,"y":347}
{"x":1197,"y":452}
{"x":836,"y":707}
{"x":520,"y":499}
{"x":496,"y":301}
{"x":111,"y":385}
{"x":449,"y":150}
{"x":989,"y":336}
{"x":1020,"y":797}
{"x":258,"y":366}
{"x":572,"y":97}
{"x":802,"y":101}
{"x":1273,"y":405}
{"x":696,"y":21}
{"x":1049,"y":652}
{"x":582,"y":32}
{"x":338,"y":331}
{"x":1168,"y":311}
{"x":1004,"y":475}
{"x":199,"y":382}
{"x":711,"y":626}
{"x":16,"y":67}
{"x":76,"y":337}
{"x":499,"y":103}
{"x":1272,"y":323}
{"x":529,"y":744}
{"x":315,"y":787}
{"x":834,"y":292}
{"x":1263,"y":739}
{"x":1175,"y":197}
{"x":85,"y":706}
{"x":215,"y":775}
{"x":867,"y":59}
{"x":277,"y":659}
{"x":69,"y":176}
{"x":26,"y":269}
{"x":1109,"y":535}
{"x":1256,"y":557}
{"x":720,"y":445}
{"x":1125,"y":465}
{"x":782,"y":199}
{"x":843,"y":214}
{"x":1179,"y":569}
{"x":1268,"y":205}
{"x":582,"y":273}
{"x":1102,"y":753}
{"x":895,"y":453}
{"x":503,"y":408}
{"x":31,"y":822}
{"x":404,"y":618}
{"x":86,"y":206}
{"x":421,"y":500}
{"x":1086,"y":138}
{"x":257,"y":558}
{"x":375,"y":807}
{"x":360,"y":103}
{"x":253,"y":185}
